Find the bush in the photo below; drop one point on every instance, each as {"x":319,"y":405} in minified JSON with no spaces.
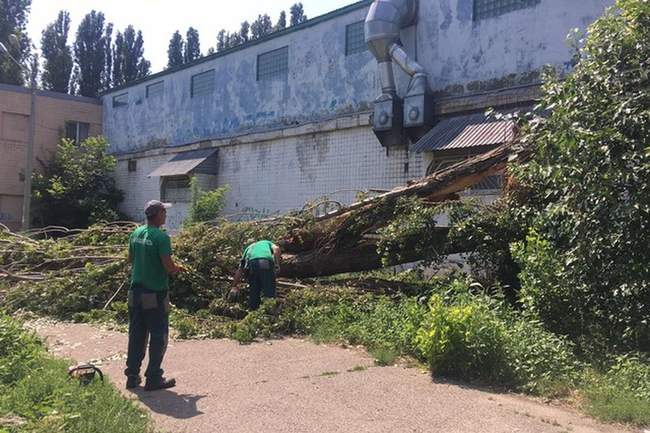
{"x":623,"y":393}
{"x":464,"y":341}
{"x":206,"y":205}
{"x":589,"y":189}
{"x":77,"y":188}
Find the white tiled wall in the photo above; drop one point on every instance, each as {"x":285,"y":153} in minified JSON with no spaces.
{"x":279,"y":175}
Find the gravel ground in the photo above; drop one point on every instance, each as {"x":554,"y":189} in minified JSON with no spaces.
{"x":293,"y":385}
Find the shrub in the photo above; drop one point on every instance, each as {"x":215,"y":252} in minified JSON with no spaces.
{"x":464,"y":341}
{"x":77,"y":189}
{"x":589,"y":188}
{"x":205,"y":205}
{"x":622,"y":393}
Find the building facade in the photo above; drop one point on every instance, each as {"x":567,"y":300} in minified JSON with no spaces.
{"x":56,"y":115}
{"x":287,"y":119}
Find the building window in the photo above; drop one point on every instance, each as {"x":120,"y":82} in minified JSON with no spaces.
{"x":156,"y":89}
{"x":355,"y":40}
{"x":77,"y":131}
{"x":273,"y":65}
{"x":121,"y":100}
{"x":203,"y":83}
{"x":176,"y":189}
{"x":484,"y":9}
{"x":133,"y":165}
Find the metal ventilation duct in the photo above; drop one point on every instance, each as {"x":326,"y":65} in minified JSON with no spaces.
{"x":396,"y":119}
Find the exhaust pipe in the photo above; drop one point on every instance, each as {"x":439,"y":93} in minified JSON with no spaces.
{"x":393,"y":118}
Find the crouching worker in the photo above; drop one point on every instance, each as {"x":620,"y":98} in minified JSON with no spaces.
{"x":260,"y":263}
{"x":150,"y":253}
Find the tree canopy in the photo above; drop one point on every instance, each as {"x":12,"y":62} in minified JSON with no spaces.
{"x":57,"y":54}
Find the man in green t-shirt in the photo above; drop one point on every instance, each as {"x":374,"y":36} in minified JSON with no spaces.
{"x":150,"y":252}
{"x":260,"y":262}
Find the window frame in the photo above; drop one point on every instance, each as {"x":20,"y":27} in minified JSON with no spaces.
{"x":280,"y":74}
{"x":117,"y":103}
{"x":166,"y":180}
{"x":486,"y":9}
{"x":348,"y":29}
{"x":77,"y":125}
{"x":148,"y":88}
{"x":193,"y":93}
{"x":132,"y":165}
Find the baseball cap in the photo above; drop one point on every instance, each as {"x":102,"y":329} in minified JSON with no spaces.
{"x":154,"y":206}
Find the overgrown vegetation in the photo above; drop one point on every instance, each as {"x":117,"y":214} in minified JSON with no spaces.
{"x":558,"y":299}
{"x":206,"y":205}
{"x":76,"y":189}
{"x":37,"y":396}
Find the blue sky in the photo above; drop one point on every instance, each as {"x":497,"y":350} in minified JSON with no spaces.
{"x":158,"y":19}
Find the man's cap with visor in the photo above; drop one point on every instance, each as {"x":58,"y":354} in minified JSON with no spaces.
{"x":153,"y":207}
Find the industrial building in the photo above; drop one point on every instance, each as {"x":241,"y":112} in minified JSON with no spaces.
{"x":366,"y":97}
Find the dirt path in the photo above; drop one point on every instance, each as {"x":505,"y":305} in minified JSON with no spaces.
{"x":293,"y":385}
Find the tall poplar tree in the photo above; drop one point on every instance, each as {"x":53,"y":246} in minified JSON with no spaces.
{"x":175,"y":50}
{"x":13,"y":21}
{"x":192,"y":45}
{"x":92,"y":53}
{"x":57,"y":55}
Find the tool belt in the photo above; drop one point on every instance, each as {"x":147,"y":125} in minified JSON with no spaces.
{"x":148,"y":299}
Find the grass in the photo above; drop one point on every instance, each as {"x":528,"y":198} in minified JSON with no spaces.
{"x":38,"y":397}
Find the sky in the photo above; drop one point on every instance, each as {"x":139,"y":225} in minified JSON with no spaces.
{"x":159,"y":19}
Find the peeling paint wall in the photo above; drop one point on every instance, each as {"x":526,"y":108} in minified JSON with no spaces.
{"x":462,"y":56}
{"x":275,"y":175}
{"x":467,"y":56}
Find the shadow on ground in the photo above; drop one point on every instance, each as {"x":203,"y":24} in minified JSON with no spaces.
{"x":167,"y":402}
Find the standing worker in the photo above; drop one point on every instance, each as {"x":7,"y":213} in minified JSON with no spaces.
{"x":150,"y":253}
{"x":260,"y":262}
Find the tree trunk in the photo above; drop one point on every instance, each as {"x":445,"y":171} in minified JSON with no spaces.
{"x":338,"y":242}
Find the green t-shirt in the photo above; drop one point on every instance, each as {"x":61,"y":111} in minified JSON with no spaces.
{"x":258,"y":250}
{"x":146,"y":245}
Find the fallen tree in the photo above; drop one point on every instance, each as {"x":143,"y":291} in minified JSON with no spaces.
{"x":345,"y":241}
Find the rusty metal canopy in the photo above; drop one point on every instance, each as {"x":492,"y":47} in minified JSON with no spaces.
{"x":183,"y":163}
{"x":461,"y":132}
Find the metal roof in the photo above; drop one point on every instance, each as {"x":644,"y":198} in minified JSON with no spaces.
{"x":183,"y":163}
{"x":461,"y":132}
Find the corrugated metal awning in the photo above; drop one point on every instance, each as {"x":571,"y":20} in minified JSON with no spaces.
{"x":183,"y":163}
{"x":461,"y":132}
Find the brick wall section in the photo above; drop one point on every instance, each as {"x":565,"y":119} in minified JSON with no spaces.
{"x":52,"y":111}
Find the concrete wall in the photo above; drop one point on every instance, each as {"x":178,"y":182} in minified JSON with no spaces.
{"x":275,"y":172}
{"x":466,"y":56}
{"x":52,"y":112}
{"x":462,"y":56}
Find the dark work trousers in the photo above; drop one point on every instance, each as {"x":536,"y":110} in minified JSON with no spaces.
{"x":261,"y":279}
{"x":148,"y":320}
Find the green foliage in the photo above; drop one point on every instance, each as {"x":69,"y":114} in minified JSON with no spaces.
{"x":589,"y":189}
{"x":57,"y":54}
{"x":175,"y":50}
{"x":622,"y":394}
{"x":92,"y":50}
{"x":19,"y":351}
{"x":192,"y":45}
{"x":14,"y":15}
{"x":77,"y":189}
{"x":128,"y":59}
{"x":465,"y":341}
{"x":35,"y":390}
{"x":206,"y":205}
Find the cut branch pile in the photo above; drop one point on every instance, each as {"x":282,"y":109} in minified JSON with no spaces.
{"x":78,"y":270}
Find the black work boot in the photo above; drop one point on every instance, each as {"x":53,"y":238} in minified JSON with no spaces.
{"x":159,"y":383}
{"x":133,"y":381}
